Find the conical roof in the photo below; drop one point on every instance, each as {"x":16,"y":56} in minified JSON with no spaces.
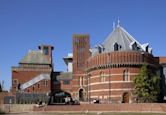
{"x":122,"y":38}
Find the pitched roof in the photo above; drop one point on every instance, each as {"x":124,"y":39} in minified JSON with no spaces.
{"x":121,"y":37}
{"x":35,"y":57}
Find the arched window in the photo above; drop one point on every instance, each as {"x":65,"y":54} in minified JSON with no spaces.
{"x":125,"y":75}
{"x":116,"y":48}
{"x":81,"y":80}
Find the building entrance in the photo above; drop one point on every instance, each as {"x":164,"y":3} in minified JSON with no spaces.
{"x":81,"y":95}
{"x":125,"y":97}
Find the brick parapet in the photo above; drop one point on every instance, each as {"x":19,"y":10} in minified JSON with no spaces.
{"x":119,"y":58}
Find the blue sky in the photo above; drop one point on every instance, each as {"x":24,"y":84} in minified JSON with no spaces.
{"x":25,"y":24}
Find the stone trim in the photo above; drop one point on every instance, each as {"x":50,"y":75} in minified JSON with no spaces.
{"x":101,"y":90}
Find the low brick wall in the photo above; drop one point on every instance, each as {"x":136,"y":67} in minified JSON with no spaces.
{"x":134,"y":107}
{"x":16,"y":108}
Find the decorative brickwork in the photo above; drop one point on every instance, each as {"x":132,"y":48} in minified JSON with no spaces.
{"x":81,"y":53}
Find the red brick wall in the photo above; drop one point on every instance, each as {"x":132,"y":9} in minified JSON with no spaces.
{"x":24,"y":76}
{"x":115,"y":77}
{"x":121,"y":58}
{"x":162,"y":60}
{"x":112,"y":66}
{"x":81,"y":53}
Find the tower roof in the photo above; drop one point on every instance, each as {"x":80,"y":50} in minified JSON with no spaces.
{"x":120,"y":40}
{"x":121,"y":37}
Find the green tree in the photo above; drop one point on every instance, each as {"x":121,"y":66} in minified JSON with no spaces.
{"x":147,"y":86}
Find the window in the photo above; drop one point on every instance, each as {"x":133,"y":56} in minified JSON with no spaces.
{"x":33,"y":88}
{"x":125,"y":75}
{"x":56,"y":82}
{"x":99,"y":49}
{"x":45,"y":50}
{"x":147,"y":48}
{"x":134,"y":46}
{"x":66,"y":82}
{"x":102,"y":77}
{"x":15,"y":81}
{"x":116,"y":47}
{"x":38,"y":85}
{"x":19,"y":86}
{"x":80,"y":79}
{"x":45,"y":83}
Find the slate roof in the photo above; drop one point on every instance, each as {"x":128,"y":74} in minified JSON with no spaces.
{"x":124,"y":40}
{"x":35,"y":57}
{"x":122,"y":37}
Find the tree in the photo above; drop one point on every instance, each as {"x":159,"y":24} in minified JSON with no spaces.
{"x":147,"y":85}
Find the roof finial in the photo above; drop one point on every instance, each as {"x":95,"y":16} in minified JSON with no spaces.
{"x":118,"y":23}
{"x":113,"y":25}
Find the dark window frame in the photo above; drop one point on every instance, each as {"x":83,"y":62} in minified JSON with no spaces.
{"x":66,"y":82}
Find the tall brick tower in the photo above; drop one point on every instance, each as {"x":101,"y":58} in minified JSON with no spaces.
{"x":81,"y":53}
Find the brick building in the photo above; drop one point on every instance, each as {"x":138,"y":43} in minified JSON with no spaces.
{"x":34,"y":71}
{"x":105,"y":72}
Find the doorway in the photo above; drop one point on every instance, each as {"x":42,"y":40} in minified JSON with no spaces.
{"x":81,"y":95}
{"x":125,"y":97}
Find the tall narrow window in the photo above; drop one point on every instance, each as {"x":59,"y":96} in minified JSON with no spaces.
{"x":125,"y":75}
{"x":116,"y":47}
{"x":102,"y":77}
{"x":45,"y":82}
{"x":38,"y":85}
{"x":45,"y":51}
{"x":134,"y":46}
{"x":147,"y":48}
{"x":33,"y":88}
{"x":80,"y":79}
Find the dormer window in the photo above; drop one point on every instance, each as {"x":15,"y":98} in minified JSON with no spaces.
{"x":99,"y":49}
{"x":116,"y":48}
{"x":45,"y":50}
{"x":147,"y":49}
{"x":134,"y":46}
